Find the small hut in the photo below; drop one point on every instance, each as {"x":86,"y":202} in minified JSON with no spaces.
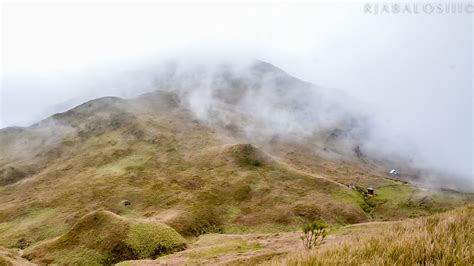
{"x":394,"y":172}
{"x":370,"y":192}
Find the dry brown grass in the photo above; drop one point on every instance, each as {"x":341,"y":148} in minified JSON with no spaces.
{"x":441,"y":239}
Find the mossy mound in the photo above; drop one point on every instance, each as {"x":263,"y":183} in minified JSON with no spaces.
{"x":101,"y":237}
{"x":247,"y":155}
{"x":150,"y":240}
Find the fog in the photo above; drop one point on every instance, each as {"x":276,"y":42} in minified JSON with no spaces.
{"x":411,"y":73}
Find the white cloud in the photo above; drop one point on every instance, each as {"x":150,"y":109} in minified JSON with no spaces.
{"x":416,"y":71}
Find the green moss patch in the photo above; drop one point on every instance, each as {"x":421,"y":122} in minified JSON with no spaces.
{"x":150,"y":240}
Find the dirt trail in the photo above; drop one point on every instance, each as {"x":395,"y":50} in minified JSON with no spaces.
{"x":217,"y":249}
{"x":370,"y":223}
{"x":302,"y":172}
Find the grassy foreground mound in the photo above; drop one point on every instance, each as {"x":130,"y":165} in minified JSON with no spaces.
{"x":441,"y":239}
{"x":101,"y":237}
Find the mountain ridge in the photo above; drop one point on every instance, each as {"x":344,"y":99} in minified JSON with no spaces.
{"x":158,"y":157}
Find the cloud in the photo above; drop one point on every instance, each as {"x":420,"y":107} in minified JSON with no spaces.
{"x":414,"y":73}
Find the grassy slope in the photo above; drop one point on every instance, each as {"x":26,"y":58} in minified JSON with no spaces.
{"x":394,"y":200}
{"x":441,"y":239}
{"x":162,"y":161}
{"x":174,"y":169}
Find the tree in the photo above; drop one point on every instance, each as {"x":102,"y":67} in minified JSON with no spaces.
{"x":314,"y":234}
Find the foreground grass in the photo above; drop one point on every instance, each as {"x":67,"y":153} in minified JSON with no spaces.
{"x":441,"y":239}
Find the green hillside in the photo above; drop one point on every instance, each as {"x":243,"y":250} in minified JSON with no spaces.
{"x":150,"y":158}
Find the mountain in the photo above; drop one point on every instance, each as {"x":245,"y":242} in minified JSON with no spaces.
{"x":232,"y":150}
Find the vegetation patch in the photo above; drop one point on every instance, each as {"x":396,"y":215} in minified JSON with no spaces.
{"x":246,"y":155}
{"x":150,"y":240}
{"x":103,"y":238}
{"x":199,"y":219}
{"x":314,"y":234}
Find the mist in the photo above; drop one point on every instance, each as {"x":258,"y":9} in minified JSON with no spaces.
{"x":410,"y":74}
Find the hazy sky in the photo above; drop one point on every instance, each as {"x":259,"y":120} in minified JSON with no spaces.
{"x":413,"y":70}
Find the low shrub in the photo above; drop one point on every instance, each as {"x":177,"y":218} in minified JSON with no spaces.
{"x":314,"y":234}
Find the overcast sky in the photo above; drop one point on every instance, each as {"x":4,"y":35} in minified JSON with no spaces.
{"x":414,"y":70}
